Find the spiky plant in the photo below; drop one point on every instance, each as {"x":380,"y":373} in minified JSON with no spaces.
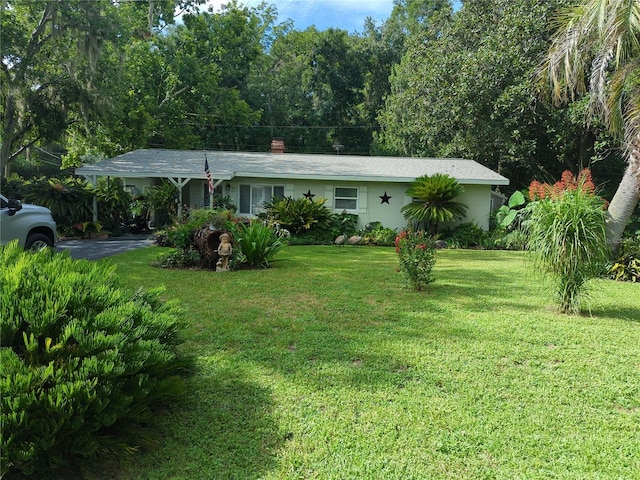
{"x":258,"y":244}
{"x":567,"y":239}
{"x":434,"y":201}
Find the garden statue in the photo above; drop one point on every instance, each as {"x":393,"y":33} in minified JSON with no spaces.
{"x":224,"y":251}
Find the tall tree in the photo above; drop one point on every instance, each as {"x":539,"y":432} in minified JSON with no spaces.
{"x":417,"y":17}
{"x":182,"y":88}
{"x":467,"y":92}
{"x":43,"y":73}
{"x":596,"y":49}
{"x":50,"y":56}
{"x":312,"y":90}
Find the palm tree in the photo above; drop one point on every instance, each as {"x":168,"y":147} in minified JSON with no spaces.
{"x":596,"y":50}
{"x":433,"y":201}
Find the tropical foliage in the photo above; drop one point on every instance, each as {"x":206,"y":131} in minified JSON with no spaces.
{"x":71,"y":200}
{"x":163,"y":200}
{"x":114,"y":203}
{"x":299,"y":215}
{"x":85,"y":364}
{"x":506,"y":214}
{"x":68,"y":199}
{"x":434,"y":201}
{"x":466,"y":235}
{"x":180,"y":236}
{"x":375,"y":233}
{"x":258,"y":244}
{"x":595,"y":49}
{"x":567,"y":236}
{"x":626,"y":266}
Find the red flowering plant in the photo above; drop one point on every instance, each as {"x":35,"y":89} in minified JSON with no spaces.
{"x":416,"y":251}
{"x":567,"y":235}
{"x":567,"y":183}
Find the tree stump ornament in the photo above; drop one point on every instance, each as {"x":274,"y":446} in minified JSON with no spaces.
{"x":207,"y":241}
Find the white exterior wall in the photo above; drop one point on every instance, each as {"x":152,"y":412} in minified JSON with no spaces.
{"x":370,"y":206}
{"x":477,"y":198}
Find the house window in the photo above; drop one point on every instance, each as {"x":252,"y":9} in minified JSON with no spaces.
{"x":345,"y":198}
{"x":253,"y":197}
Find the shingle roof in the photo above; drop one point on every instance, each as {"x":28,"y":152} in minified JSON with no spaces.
{"x":227,"y":165}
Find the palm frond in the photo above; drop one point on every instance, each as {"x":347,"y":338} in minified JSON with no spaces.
{"x":603,"y":37}
{"x":434,"y":200}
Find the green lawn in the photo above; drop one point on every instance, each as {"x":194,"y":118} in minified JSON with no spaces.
{"x":326,"y":367}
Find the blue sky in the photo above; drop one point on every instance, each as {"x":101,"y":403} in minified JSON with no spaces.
{"x":345,"y":14}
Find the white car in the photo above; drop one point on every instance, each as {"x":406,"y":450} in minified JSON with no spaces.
{"x":32,"y":225}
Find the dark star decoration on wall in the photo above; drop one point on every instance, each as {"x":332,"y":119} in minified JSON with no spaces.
{"x":385,"y":198}
{"x":309,"y":195}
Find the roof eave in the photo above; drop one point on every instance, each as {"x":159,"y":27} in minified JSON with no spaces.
{"x":360,"y":178}
{"x":119,"y":174}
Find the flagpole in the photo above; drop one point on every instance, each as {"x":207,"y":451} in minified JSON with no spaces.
{"x":209,"y":180}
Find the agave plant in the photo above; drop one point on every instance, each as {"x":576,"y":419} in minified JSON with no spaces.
{"x":434,"y":201}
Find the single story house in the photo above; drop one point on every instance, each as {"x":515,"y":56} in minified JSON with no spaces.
{"x":374,"y":188}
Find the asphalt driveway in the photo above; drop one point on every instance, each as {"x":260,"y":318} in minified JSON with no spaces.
{"x":100,"y":248}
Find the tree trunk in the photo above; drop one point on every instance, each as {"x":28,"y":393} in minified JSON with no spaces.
{"x":624,"y":201}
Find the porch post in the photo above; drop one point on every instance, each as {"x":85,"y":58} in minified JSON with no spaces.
{"x":179,"y":182}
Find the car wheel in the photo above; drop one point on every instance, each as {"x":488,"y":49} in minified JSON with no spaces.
{"x":37,"y":241}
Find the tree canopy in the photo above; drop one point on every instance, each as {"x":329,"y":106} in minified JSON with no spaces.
{"x":100,"y":78}
{"x":596,"y":50}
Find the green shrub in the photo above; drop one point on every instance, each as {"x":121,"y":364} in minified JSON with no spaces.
{"x":83,"y":362}
{"x":13,"y":186}
{"x":178,"y":258}
{"x":163,"y":199}
{"x":567,"y":238}
{"x":70,"y":200}
{"x":375,"y":234}
{"x":299,"y":215}
{"x":343,"y":224}
{"x":223,"y":202}
{"x":180,"y":235}
{"x":465,"y":235}
{"x":417,"y":255}
{"x":339,"y":224}
{"x":258,"y":244}
{"x":626,"y":267}
{"x":513,"y":240}
{"x":113,"y":203}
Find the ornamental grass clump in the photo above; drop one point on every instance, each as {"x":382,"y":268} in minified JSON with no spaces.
{"x":567,"y":236}
{"x":258,"y":245}
{"x":84,"y":363}
{"x":416,"y":251}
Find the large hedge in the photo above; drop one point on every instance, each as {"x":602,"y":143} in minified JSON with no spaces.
{"x":83,"y":362}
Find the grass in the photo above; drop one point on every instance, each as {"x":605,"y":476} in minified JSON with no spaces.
{"x":326,"y":367}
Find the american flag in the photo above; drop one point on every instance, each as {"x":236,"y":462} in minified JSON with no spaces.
{"x":208,"y":172}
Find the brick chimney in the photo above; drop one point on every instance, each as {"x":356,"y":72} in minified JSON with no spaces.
{"x":277,"y":145}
